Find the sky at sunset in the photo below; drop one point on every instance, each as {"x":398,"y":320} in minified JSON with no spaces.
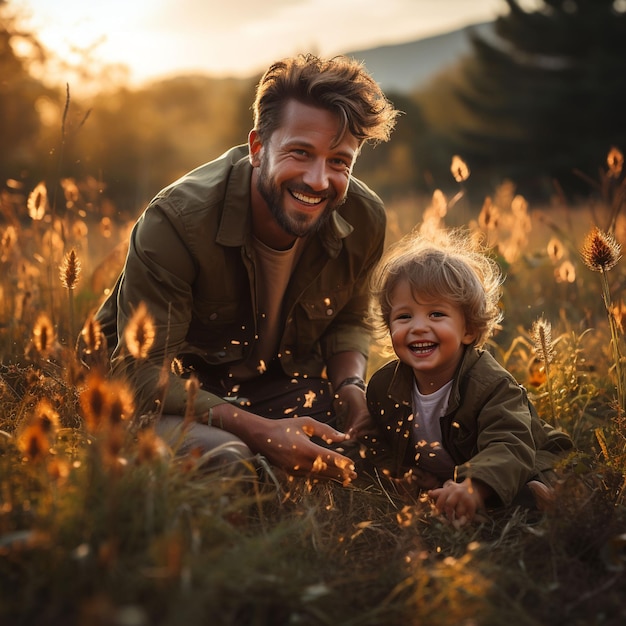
{"x":159,"y":38}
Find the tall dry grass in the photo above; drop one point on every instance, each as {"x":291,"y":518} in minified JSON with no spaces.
{"x":101,"y":522}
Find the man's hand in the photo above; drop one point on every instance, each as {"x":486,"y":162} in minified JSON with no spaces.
{"x":351,"y":405}
{"x":288,"y":445}
{"x":460,"y":502}
{"x":286,"y":442}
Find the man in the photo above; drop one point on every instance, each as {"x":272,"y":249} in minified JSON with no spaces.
{"x":254,"y":268}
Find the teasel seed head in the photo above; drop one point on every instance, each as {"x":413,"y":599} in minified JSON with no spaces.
{"x":600,"y":251}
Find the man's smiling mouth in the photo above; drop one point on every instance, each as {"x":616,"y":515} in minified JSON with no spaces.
{"x":311,"y":200}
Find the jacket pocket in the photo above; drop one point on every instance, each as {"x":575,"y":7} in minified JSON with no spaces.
{"x":222,"y":330}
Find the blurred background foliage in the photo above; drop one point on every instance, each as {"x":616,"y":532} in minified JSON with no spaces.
{"x":539,"y":102}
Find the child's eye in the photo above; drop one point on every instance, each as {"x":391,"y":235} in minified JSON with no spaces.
{"x":438,"y":314}
{"x":402,"y":316}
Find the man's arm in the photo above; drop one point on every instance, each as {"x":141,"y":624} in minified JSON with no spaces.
{"x":346,"y":372}
{"x":286,"y":442}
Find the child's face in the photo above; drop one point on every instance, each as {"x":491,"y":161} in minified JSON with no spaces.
{"x":428,"y":335}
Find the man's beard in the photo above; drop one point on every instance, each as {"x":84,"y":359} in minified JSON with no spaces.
{"x":298,"y":224}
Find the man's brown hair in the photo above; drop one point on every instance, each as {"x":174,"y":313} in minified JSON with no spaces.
{"x":340,"y":84}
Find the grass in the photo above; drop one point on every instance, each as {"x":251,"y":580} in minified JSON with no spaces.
{"x":101,"y":524}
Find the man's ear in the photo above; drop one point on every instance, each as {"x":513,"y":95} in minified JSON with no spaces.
{"x":254,"y":148}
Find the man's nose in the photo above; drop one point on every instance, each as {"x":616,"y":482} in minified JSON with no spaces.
{"x":316,"y":175}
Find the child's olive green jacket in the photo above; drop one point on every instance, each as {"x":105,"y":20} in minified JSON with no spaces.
{"x":490,"y":428}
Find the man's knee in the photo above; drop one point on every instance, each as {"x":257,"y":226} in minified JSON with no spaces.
{"x":213,"y":445}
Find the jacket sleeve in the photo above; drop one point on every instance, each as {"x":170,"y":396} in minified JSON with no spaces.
{"x":503,"y":455}
{"x":159,"y":272}
{"x":351,"y":330}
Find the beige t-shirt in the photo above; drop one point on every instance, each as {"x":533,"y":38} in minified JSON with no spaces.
{"x":273,"y":271}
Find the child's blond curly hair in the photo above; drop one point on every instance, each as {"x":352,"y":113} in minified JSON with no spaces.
{"x":452,"y":265}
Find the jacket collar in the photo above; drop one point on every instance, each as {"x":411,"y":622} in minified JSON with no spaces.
{"x":401,"y":385}
{"x":236,"y":220}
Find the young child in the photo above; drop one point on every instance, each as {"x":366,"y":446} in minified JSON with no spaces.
{"x":453,"y":418}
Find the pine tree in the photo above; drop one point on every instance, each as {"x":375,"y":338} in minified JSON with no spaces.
{"x":547,"y":95}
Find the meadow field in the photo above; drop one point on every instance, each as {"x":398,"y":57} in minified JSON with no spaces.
{"x":101,"y":524}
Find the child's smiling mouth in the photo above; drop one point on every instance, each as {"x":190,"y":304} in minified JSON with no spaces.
{"x":422,"y":347}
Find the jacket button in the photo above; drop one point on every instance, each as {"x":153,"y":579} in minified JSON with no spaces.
{"x":329,"y":312}
{"x":213,"y":316}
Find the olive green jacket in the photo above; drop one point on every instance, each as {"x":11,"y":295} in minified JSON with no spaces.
{"x":191,"y":261}
{"x":490,"y":428}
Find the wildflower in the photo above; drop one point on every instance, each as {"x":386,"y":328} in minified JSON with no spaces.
{"x":519,"y":206}
{"x":43,"y":334}
{"x":565,"y":273}
{"x":139,"y":334}
{"x":70,"y":190}
{"x":121,"y":402}
{"x":37,"y":202}
{"x":489,"y":216}
{"x":46,"y":417}
{"x":536,"y":373}
{"x":541,"y":333}
{"x":80,"y":230}
{"x":92,"y":335}
{"x":8,"y":243}
{"x":556,"y":249}
{"x":150,"y":447}
{"x":615,"y":161}
{"x":600,"y":251}
{"x":33,"y":443}
{"x":70,"y":270}
{"x":93,"y":402}
{"x":176,"y":367}
{"x":459,"y":169}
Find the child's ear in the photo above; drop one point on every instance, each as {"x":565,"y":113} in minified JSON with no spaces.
{"x":469,"y":337}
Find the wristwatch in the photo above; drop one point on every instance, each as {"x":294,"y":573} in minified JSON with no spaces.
{"x":351,"y":380}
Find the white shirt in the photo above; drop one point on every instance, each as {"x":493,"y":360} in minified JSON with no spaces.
{"x":426,"y":432}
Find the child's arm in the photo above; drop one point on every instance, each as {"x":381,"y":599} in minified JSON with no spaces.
{"x":461,"y":501}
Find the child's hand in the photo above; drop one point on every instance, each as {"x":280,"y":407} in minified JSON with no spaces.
{"x":460,"y":502}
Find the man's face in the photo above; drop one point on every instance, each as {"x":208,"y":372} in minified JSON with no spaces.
{"x":301,"y":176}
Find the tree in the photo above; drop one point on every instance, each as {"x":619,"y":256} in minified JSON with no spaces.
{"x":20,"y":121}
{"x":546,"y":95}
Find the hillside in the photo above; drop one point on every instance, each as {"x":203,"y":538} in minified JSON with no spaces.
{"x":404,"y":67}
